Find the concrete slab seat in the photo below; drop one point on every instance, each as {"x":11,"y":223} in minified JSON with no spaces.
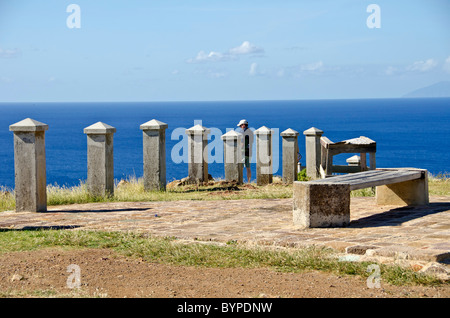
{"x":326,"y":202}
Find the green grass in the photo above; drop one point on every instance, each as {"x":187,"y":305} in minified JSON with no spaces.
{"x":171,"y":251}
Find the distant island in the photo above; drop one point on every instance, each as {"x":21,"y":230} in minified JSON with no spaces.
{"x":440,"y":89}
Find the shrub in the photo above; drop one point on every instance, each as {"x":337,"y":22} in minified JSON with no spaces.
{"x":301,"y":176}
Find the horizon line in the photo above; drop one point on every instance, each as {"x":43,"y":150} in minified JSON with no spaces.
{"x":222,"y":100}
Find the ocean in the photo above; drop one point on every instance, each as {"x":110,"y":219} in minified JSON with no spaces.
{"x":409,"y":132}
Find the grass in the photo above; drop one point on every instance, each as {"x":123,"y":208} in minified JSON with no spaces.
{"x":7,"y":201}
{"x":439,"y":184}
{"x":368,"y":192}
{"x":49,"y":293}
{"x":132,"y":190}
{"x":171,"y":251}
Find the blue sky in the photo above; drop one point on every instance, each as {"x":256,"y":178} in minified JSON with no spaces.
{"x":220,"y":50}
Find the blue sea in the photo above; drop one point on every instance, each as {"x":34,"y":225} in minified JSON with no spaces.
{"x":408,"y":132}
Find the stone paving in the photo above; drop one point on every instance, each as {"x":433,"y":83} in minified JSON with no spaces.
{"x":397,"y":233}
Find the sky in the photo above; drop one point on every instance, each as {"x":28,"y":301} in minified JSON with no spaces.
{"x":112,"y":50}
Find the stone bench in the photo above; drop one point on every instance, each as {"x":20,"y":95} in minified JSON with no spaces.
{"x":326,"y":202}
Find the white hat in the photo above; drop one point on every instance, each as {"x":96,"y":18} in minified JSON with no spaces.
{"x":242,"y":122}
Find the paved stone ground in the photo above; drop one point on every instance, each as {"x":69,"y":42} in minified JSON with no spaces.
{"x":390,"y":233}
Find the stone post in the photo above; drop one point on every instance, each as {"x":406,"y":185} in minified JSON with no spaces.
{"x":263,"y":155}
{"x":233,"y":156}
{"x":290,"y":155}
{"x":100,"y":178}
{"x":198,"y":153}
{"x":29,"y":165}
{"x":313,"y":152}
{"x":154,"y":145}
{"x":354,"y":161}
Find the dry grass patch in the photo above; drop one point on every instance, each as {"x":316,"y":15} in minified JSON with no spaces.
{"x":132,"y":190}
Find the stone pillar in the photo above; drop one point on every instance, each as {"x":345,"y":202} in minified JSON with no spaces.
{"x":263,"y":155}
{"x":233,"y":157}
{"x":154,"y":145}
{"x":354,"y":161}
{"x":198,"y":153}
{"x":29,"y":165}
{"x":313,"y":152}
{"x":290,"y":155}
{"x":100,"y":178}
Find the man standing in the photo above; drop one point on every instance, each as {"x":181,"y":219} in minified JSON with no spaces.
{"x":247,"y":142}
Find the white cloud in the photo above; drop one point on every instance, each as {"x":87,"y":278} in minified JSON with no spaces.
{"x":311,"y":67}
{"x":281,"y":72}
{"x":210,"y":57}
{"x":447,"y":65}
{"x":212,"y":73}
{"x":246,"y":48}
{"x":390,"y":71}
{"x":301,"y":70}
{"x":416,"y":67}
{"x":255,"y":70}
{"x":422,"y":66}
{"x":9,"y":53}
